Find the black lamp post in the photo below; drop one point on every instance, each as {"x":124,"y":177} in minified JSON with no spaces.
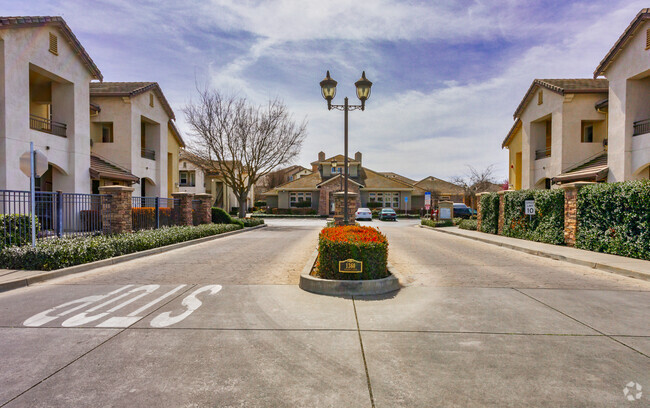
{"x":328,"y":89}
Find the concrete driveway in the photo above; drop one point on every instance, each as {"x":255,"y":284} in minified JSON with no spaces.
{"x":224,"y":324}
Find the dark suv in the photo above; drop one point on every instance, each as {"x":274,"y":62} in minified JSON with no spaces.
{"x":462,"y":211}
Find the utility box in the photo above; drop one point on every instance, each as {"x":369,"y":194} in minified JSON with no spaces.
{"x":445,"y":210}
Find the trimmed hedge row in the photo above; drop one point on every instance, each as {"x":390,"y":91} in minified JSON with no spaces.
{"x":490,"y":213}
{"x":263,"y":215}
{"x":468,"y":225}
{"x":365,"y":244}
{"x":547,"y":225}
{"x":433,"y":223}
{"x":615,"y":218}
{"x":249,"y":222}
{"x":16,"y":229}
{"x":59,"y":253}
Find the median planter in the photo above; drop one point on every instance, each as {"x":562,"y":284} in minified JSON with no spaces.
{"x":351,"y":260}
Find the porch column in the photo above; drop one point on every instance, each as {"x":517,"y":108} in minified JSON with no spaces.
{"x":185,"y":207}
{"x":116,"y":209}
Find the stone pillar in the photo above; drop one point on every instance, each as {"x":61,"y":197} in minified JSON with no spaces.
{"x":479,"y":212}
{"x":116,"y":209}
{"x":502,"y":205}
{"x":339,"y":201}
{"x":571,"y":211}
{"x":185,"y":207}
{"x":205,"y":208}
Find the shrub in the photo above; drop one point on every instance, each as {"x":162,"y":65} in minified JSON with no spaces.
{"x":16,"y":229}
{"x":372,"y":205}
{"x":302,"y":204}
{"x":434,"y":223}
{"x":615,"y":218}
{"x":490,"y":213}
{"x":547,"y":225}
{"x":259,"y":203}
{"x":145,"y":217}
{"x":249,"y":222}
{"x":457,"y":220}
{"x":365,"y":244}
{"x":63,"y":252}
{"x":220,"y":216}
{"x":263,"y":215}
{"x":468,"y":225}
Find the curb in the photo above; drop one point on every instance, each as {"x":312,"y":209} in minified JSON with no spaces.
{"x":20,"y":283}
{"x":594,"y":265}
{"x":333,"y":287}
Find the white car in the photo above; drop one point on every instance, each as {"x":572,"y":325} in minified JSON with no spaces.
{"x":364,"y":214}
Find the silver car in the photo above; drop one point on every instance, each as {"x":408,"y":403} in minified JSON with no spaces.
{"x":363,"y":214}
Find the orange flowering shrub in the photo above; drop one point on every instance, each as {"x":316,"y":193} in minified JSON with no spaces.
{"x":145,"y":217}
{"x":365,"y":244}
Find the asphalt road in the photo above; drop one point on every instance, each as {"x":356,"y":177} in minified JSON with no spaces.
{"x":223,"y":324}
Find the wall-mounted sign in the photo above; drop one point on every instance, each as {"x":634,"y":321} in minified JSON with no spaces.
{"x":445,"y":213}
{"x":350,"y":266}
{"x":529,"y":207}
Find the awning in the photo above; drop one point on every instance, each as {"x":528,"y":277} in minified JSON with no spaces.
{"x":593,"y":170}
{"x":103,"y":169}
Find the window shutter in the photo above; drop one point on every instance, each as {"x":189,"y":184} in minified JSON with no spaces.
{"x":54,"y":46}
{"x":647,"y":39}
{"x":151,"y":100}
{"x":540,"y":97}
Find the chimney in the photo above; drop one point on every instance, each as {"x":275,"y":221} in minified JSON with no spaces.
{"x":321,"y":156}
{"x":357,"y":157}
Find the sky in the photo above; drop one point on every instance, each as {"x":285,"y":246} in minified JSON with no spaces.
{"x":447,"y":75}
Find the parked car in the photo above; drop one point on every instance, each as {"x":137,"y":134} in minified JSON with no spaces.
{"x":463,"y":211}
{"x":364,"y":214}
{"x":388,"y":214}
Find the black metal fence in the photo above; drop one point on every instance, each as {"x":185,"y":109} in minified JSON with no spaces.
{"x":154,"y":212}
{"x":56,"y":215}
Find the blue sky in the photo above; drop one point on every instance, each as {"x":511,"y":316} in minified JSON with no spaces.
{"x":447,"y":75}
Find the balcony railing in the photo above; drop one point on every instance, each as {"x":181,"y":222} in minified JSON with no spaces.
{"x":148,"y":154}
{"x":48,"y":126}
{"x":540,"y":154}
{"x":641,"y":127}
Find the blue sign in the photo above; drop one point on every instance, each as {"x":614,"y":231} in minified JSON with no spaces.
{"x":406,"y":199}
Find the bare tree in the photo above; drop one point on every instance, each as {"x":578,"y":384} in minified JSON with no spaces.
{"x":476,"y":181}
{"x":241,"y":141}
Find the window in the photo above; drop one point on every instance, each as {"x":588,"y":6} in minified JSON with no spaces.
{"x":54,"y":44}
{"x":107,"y":132}
{"x":587,"y":132}
{"x":299,"y":197}
{"x":389,"y":200}
{"x":540,"y":97}
{"x":151,"y":100}
{"x":186,"y":178}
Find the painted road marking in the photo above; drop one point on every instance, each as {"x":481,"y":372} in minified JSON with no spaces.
{"x":129,"y":294}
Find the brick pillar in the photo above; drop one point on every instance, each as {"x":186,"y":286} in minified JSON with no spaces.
{"x":205,"y":208}
{"x":502,"y":205}
{"x":116,"y":210}
{"x":571,"y":211}
{"x":185,"y":207}
{"x":479,"y":212}
{"x":339,"y":206}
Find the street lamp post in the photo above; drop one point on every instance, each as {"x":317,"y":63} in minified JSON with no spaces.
{"x":328,"y":89}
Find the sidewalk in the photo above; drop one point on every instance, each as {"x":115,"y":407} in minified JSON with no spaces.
{"x":635,"y":268}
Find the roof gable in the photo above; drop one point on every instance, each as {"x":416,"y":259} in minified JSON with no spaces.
{"x":641,"y":17}
{"x":442,"y":186}
{"x":176,"y":133}
{"x":131,"y":89}
{"x":59,"y":22}
{"x":563,"y":87}
{"x":513,"y":131}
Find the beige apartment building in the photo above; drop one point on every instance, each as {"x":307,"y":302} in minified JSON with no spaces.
{"x":596,"y":129}
{"x":44,"y":79}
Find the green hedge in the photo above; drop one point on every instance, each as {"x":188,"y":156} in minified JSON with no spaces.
{"x":547,"y":225}
{"x":433,"y":223}
{"x":490,"y":213}
{"x":220,"y":216}
{"x":263,"y":215}
{"x":615,"y":218}
{"x":58,"y":253}
{"x":364,"y":244}
{"x":468,"y":225}
{"x":16,"y":229}
{"x":249,"y":222}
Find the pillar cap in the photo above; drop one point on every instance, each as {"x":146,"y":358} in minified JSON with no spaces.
{"x":109,"y":189}
{"x":180,"y":194}
{"x":576,"y":184}
{"x":501,"y":192}
{"x":203,"y":195}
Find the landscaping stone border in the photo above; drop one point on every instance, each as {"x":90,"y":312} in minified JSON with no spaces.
{"x":57,"y":273}
{"x":334,"y":287}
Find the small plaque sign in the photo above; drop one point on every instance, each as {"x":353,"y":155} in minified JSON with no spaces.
{"x":350,"y":266}
{"x":529,"y":207}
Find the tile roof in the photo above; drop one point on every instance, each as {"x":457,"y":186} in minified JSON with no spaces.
{"x":101,"y":168}
{"x":562,"y":87}
{"x":399,"y":177}
{"x":130,"y":89}
{"x":513,"y":130}
{"x":309,"y":182}
{"x":59,"y":22}
{"x":593,"y":170}
{"x":641,"y":17}
{"x":339,"y":158}
{"x":443,"y":187}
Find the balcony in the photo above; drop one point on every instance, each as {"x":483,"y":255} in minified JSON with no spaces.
{"x":148,"y":154}
{"x":541,"y":154}
{"x":641,"y":127}
{"x":47,"y":125}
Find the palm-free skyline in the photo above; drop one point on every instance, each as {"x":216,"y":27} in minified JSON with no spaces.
{"x":447,"y":76}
